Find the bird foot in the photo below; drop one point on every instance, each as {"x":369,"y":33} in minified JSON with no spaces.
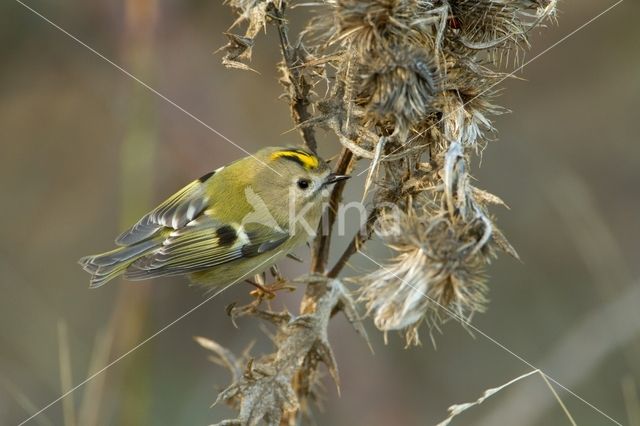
{"x":269,"y":291}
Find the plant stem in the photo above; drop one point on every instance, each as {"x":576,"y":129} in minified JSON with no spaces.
{"x":360,"y":238}
{"x":295,"y":81}
{"x":323,"y":238}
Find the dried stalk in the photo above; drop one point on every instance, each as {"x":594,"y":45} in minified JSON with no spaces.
{"x":325,"y":228}
{"x":270,"y":388}
{"x":298,"y":86}
{"x":356,"y":243}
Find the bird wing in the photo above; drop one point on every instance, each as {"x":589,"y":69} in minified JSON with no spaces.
{"x":204,"y":243}
{"x":178,"y":210}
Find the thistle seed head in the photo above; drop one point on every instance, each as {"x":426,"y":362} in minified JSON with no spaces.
{"x":435,"y":273}
{"x":400,"y":86}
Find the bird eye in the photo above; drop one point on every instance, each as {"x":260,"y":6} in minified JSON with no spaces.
{"x":303,"y":183}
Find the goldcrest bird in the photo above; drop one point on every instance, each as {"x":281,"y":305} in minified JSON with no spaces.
{"x":226,"y":226}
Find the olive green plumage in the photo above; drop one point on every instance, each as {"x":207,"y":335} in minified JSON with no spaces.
{"x":225,"y":226}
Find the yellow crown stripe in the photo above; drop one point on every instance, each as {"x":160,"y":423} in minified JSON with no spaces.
{"x":307,"y":160}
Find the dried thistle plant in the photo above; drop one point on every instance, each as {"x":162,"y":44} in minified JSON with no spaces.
{"x":411,"y":88}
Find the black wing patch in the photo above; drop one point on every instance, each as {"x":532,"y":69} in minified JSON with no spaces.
{"x":204,"y":244}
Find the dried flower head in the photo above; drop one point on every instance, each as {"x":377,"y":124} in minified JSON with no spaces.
{"x":485,"y":22}
{"x":466,"y":117}
{"x":373,"y":25}
{"x":497,"y":26}
{"x":399,"y":86}
{"x":435,"y":272}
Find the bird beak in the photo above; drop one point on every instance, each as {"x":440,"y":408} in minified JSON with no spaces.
{"x":334,"y":178}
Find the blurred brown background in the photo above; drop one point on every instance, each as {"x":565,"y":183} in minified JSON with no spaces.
{"x":86,"y":150}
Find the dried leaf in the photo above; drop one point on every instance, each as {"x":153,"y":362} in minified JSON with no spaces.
{"x":456,"y":409}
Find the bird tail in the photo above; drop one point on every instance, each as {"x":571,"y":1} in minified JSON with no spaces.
{"x":106,"y":266}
